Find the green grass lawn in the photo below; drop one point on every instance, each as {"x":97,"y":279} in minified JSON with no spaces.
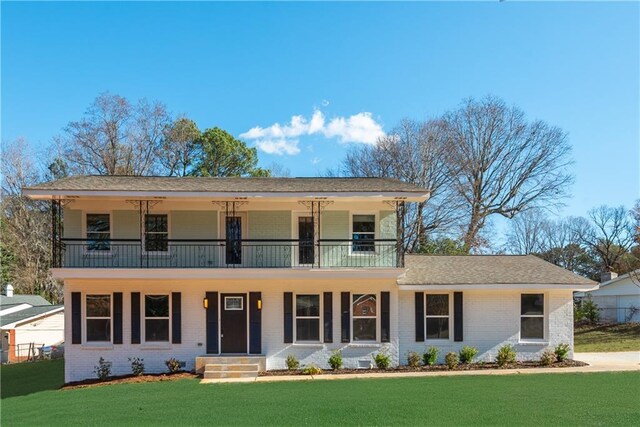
{"x":556,"y":399}
{"x":26,"y":378}
{"x":598,"y":338}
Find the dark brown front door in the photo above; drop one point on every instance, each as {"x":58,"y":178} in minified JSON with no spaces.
{"x":233,"y":323}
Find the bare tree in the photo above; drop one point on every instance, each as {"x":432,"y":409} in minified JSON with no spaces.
{"x":501,"y":164}
{"x":526,"y":234}
{"x":179,"y":146}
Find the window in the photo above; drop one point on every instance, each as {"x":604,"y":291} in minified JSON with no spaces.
{"x":437,"y":313}
{"x":307,"y":317}
{"x":363,"y":233}
{"x":365,"y":311}
{"x":532,"y":316}
{"x":98,"y":309}
{"x":233,"y":303}
{"x":156,"y":317}
{"x":98,"y":232}
{"x":156,"y":233}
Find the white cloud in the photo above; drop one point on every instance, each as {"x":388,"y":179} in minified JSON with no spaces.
{"x":279,"y":139}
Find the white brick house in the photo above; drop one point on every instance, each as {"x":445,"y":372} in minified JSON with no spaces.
{"x":198,"y":269}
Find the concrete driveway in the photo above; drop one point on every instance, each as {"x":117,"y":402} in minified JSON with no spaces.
{"x":614,"y":361}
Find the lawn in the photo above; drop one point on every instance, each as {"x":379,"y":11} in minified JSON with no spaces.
{"x":558,"y":399}
{"x":598,"y":338}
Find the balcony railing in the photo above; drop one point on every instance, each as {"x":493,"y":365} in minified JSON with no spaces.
{"x":220,"y":253}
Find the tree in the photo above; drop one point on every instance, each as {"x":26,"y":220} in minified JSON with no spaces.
{"x":414,"y":152}
{"x":443,"y":246}
{"x":179,"y":147}
{"x":220,"y":154}
{"x":526,"y":235}
{"x":502,"y":164}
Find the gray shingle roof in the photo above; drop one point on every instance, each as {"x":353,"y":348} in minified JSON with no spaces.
{"x":27,"y":313}
{"x":231,"y":184}
{"x":23,"y":299}
{"x":486,"y":269}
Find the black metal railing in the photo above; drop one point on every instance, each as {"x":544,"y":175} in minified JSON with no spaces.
{"x":221,"y":253}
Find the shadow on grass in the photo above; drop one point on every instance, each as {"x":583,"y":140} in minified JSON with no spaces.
{"x":21,"y":379}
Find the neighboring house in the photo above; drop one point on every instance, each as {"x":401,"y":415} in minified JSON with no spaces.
{"x":618,"y":297}
{"x":27,"y":323}
{"x":227,"y":271}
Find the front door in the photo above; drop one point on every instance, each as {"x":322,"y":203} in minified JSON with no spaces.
{"x":233,"y":323}
{"x":305,"y":240}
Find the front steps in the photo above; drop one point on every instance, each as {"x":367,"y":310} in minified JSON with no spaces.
{"x":230,"y":367}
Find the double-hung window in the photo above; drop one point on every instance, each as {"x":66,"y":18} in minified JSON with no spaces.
{"x":98,"y":232}
{"x":532,"y":316}
{"x":365,"y":317}
{"x":156,"y":233}
{"x":363,"y":233}
{"x":307,"y":317}
{"x":156,"y":318}
{"x":437,"y":313}
{"x":98,"y":318}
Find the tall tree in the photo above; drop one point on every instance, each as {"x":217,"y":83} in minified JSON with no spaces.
{"x":502,"y":164}
{"x":526,"y":234}
{"x":220,"y":154}
{"x":179,"y":147}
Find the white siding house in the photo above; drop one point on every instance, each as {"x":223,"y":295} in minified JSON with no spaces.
{"x":618,"y":298}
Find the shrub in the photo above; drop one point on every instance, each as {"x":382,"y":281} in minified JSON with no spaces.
{"x":383,"y":361}
{"x":548,"y":357}
{"x":173,"y":365}
{"x":467,"y":354}
{"x":562,"y":352}
{"x":587,"y":310}
{"x":506,"y":355}
{"x":102,"y":369}
{"x":292,"y":363}
{"x":413,"y":359}
{"x":312,"y":370}
{"x":430,"y":357}
{"x":452,"y":360}
{"x":335,"y":361}
{"x":137,"y":365}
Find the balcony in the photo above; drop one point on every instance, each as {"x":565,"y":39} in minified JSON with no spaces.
{"x":221,"y":253}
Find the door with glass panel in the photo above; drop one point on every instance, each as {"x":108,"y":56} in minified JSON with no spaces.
{"x":233,"y":236}
{"x":305,"y":240}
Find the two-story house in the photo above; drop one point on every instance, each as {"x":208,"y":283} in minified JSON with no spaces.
{"x":219,"y":272}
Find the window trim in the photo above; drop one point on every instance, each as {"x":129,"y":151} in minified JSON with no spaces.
{"x":84,"y":227}
{"x":144,"y":235}
{"x":449,"y":317}
{"x":377,"y":317}
{"x":544,"y":317}
{"x":376,"y":233}
{"x":319,"y":317}
{"x":86,"y":317}
{"x":143,"y":315}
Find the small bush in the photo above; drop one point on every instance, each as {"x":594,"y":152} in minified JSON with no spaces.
{"x":467,"y":354}
{"x":586,"y":311}
{"x":312,"y":370}
{"x":413,"y":359}
{"x":292,"y":363}
{"x":548,"y":357}
{"x":102,"y":369}
{"x":430,"y":357}
{"x":173,"y":365}
{"x":506,"y":356}
{"x":452,"y":360}
{"x":383,"y":361}
{"x":137,"y":365}
{"x":335,"y":361}
{"x":562,"y":352}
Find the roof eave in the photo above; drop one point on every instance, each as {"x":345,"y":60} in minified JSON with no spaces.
{"x":582,"y":287}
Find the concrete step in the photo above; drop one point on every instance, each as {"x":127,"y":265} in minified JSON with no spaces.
{"x":209,"y":375}
{"x":203,"y":361}
{"x":233,"y":367}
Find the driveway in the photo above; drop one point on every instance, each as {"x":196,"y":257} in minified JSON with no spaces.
{"x":621,"y":360}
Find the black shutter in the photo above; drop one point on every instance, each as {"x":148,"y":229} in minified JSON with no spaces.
{"x":212,"y":322}
{"x":176,"y":317}
{"x":117,"y":317}
{"x":457,"y":316}
{"x":76,"y":318}
{"x":255,"y":323}
{"x":345,"y":321}
{"x":420,"y":316}
{"x":288,"y":317}
{"x":328,"y":316}
{"x":135,"y":317}
{"x":385,"y":318}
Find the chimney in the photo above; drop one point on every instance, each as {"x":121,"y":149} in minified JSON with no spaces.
{"x":9,"y":290}
{"x":607,"y":275}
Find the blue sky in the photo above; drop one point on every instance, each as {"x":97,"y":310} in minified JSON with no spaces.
{"x":363,"y":66}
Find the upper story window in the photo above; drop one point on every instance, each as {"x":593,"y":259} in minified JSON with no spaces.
{"x":365,"y":317}
{"x":437,"y":313}
{"x":98,"y":317}
{"x":98,"y":232}
{"x":156,"y":318}
{"x":308,"y":317}
{"x":363,"y":233}
{"x":156,"y":233}
{"x":532,"y":316}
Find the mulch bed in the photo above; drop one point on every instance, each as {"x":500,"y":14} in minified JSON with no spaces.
{"x":435,"y":368}
{"x":131,"y":379}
